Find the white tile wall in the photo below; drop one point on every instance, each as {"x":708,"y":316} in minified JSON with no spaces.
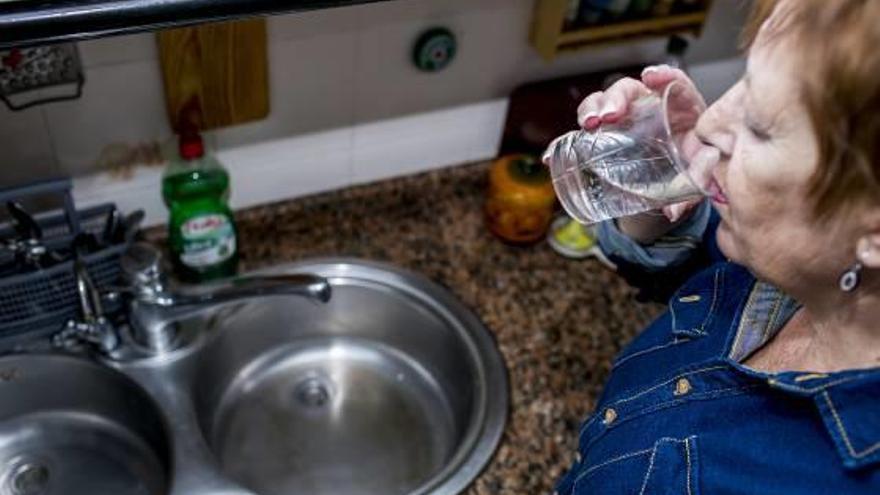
{"x":120,"y":103}
{"x":325,"y":22}
{"x":310,"y":163}
{"x":25,"y":147}
{"x":408,"y":145}
{"x":384,"y":66}
{"x":337,"y":68}
{"x":312,"y":86}
{"x":289,"y":167}
{"x":119,"y":50}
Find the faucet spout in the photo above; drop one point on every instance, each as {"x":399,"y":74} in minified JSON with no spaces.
{"x":305,"y":285}
{"x":155,"y":305}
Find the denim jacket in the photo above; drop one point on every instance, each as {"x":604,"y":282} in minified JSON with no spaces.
{"x":680,"y":414}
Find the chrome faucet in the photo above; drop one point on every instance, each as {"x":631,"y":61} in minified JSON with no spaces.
{"x":92,"y":327}
{"x":154,"y":304}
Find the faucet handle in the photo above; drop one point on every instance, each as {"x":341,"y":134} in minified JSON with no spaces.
{"x":141,"y":266}
{"x":92,"y":326}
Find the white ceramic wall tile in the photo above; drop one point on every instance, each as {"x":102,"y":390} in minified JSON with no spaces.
{"x":119,"y":49}
{"x":260,"y":173}
{"x":24,"y":147}
{"x":487,"y":126}
{"x":289,"y":167}
{"x":313,"y":23}
{"x":426,"y":141}
{"x":337,"y":67}
{"x":494,"y":56}
{"x":120,"y":103}
{"x":141,"y":191}
{"x":311,"y":163}
{"x":311,"y":81}
{"x":389,"y":84}
{"x":408,"y":10}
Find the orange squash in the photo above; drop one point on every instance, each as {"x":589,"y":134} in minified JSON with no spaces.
{"x":519,"y":203}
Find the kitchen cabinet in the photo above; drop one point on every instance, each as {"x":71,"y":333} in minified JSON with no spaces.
{"x":551,"y":35}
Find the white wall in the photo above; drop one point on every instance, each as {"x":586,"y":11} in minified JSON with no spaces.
{"x":329,"y":69}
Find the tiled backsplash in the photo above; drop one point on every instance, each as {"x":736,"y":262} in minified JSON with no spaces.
{"x":299,"y":165}
{"x":336,"y":68}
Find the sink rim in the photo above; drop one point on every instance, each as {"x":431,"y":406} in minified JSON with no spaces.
{"x":483,"y":436}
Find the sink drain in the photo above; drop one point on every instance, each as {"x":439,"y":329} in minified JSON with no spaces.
{"x":28,"y":478}
{"x":313,"y":393}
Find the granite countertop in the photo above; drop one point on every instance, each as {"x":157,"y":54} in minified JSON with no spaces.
{"x":558,"y":322}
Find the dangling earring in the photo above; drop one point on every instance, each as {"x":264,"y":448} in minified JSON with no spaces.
{"x":850,"y":279}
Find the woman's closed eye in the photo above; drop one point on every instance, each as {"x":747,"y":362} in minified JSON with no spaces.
{"x":759,"y":131}
{"x":760,"y":134}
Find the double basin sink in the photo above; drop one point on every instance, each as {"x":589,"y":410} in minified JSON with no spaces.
{"x":391,"y":387}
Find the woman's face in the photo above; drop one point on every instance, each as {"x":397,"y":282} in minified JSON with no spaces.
{"x":769,"y":153}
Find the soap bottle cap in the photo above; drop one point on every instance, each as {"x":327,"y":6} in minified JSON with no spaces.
{"x":191,"y":147}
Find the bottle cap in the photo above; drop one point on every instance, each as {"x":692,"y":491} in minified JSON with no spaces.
{"x":191,"y":147}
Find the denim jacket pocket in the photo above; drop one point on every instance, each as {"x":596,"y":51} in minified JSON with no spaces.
{"x":671,"y":467}
{"x":693,"y":307}
{"x":691,"y":311}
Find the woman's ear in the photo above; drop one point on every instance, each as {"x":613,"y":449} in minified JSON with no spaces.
{"x":868,"y":245}
{"x":868,"y":250}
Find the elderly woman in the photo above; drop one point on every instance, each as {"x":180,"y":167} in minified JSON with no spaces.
{"x":764,"y":375}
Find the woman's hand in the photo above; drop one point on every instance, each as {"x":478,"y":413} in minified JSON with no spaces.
{"x":612,"y":105}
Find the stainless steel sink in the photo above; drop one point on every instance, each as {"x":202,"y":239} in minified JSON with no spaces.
{"x":390,"y":387}
{"x":68,"y":426}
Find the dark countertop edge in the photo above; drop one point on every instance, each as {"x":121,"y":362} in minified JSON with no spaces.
{"x":32,"y":22}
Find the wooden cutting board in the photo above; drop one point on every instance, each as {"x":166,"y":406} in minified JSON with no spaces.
{"x":221,"y":67}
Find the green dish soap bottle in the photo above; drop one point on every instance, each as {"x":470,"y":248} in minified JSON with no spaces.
{"x":201,"y":230}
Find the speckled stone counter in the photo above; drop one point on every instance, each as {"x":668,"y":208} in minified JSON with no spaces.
{"x":558,"y":322}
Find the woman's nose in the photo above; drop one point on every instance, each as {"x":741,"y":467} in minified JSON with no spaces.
{"x":715,"y":126}
{"x":713,"y":129}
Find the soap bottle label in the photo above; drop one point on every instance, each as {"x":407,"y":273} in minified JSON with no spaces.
{"x":207,"y":240}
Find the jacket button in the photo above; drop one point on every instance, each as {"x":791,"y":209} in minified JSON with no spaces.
{"x":610,"y":416}
{"x":682,"y":386}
